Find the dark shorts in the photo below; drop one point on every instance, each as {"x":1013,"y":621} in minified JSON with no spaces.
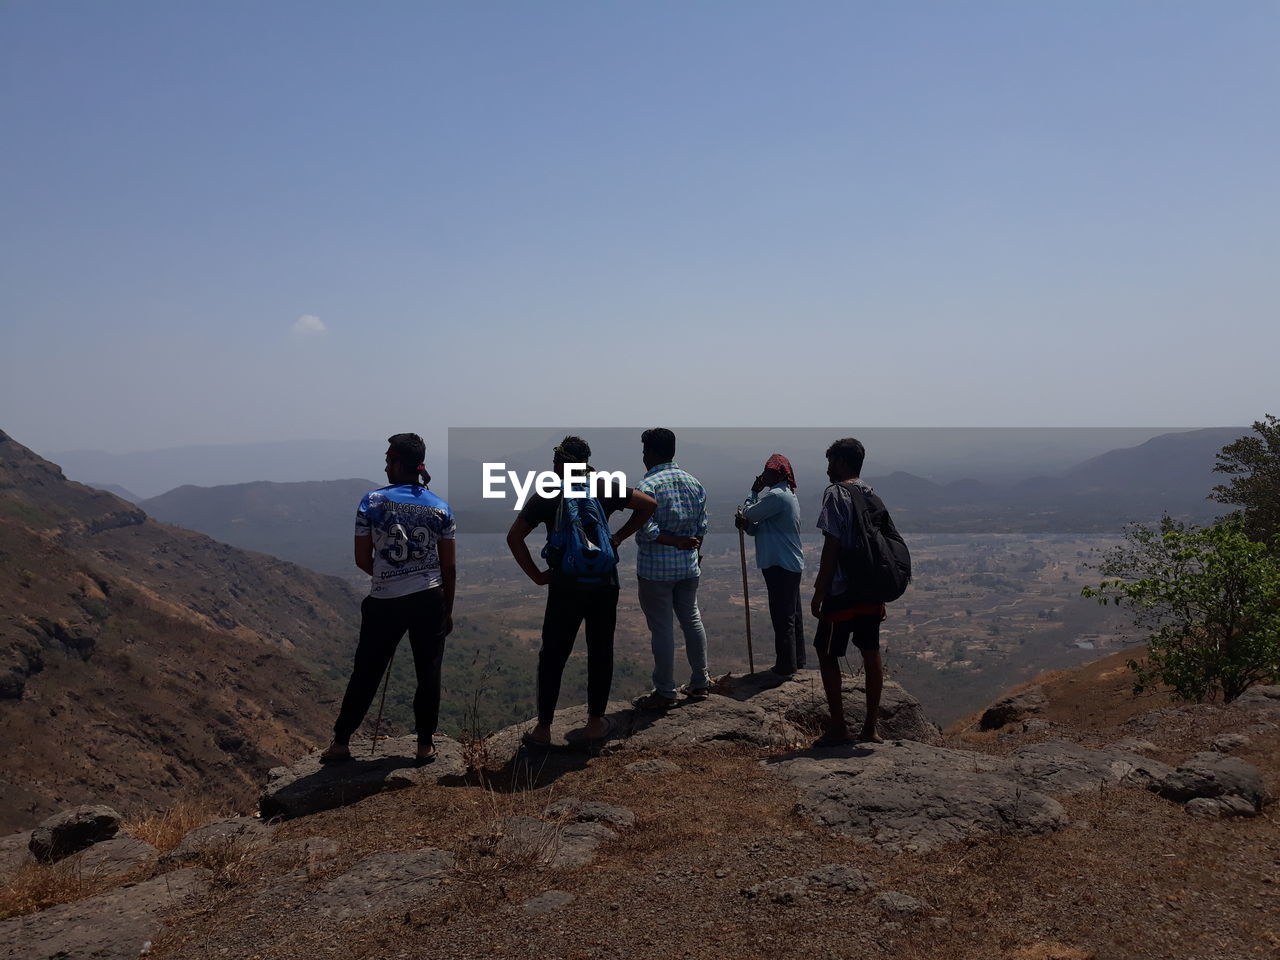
{"x":833,"y":638}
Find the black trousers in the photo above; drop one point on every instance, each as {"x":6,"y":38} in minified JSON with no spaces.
{"x":568,"y":607}
{"x":788,"y":618}
{"x":382,"y":623}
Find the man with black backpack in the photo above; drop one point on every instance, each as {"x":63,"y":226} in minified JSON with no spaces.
{"x":864,"y":565}
{"x":582,"y":582}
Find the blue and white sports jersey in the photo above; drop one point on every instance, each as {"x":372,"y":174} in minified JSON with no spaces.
{"x":407,"y":523}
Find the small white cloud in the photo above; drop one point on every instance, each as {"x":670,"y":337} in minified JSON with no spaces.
{"x":308,"y":325}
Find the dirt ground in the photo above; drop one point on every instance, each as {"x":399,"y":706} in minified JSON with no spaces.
{"x":1134,"y":876}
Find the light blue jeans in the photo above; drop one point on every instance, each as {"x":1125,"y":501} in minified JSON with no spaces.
{"x":659,"y":599}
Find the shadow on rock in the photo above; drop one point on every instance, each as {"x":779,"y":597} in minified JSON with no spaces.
{"x":309,"y":786}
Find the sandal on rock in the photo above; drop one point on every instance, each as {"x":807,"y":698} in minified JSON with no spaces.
{"x":336,"y":753}
{"x":833,"y":739}
{"x":653,"y":701}
{"x":580,"y":736}
{"x":533,"y":743}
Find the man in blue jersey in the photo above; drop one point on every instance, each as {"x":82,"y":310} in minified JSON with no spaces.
{"x":405,"y":542}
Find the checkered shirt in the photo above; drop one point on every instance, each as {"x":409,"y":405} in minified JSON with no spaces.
{"x":681,"y":512}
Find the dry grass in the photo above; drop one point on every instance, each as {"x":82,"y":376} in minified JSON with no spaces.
{"x":165,"y":829}
{"x":232,"y":861}
{"x":34,"y":887}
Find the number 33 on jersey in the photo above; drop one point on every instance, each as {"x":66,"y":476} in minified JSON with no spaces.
{"x":406,"y":523}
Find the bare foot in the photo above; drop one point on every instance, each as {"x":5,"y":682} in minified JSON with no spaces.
{"x":336,"y":753}
{"x":426,"y":751}
{"x":869,"y":735}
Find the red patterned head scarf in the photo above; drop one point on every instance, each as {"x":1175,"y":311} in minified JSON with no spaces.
{"x":783,"y":466}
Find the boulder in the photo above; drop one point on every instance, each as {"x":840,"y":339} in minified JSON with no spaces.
{"x":911,"y":796}
{"x":382,"y":883}
{"x":1134,"y":745}
{"x":14,"y":852}
{"x":1060,"y":767}
{"x":802,"y":705}
{"x":1260,"y":696}
{"x":71,"y":831}
{"x":591,"y":811}
{"x":1218,"y":808}
{"x":116,"y":857}
{"x":1017,"y":707}
{"x":528,"y":840}
{"x":840,"y":877}
{"x":306,"y":857}
{"x":239,"y":833}
{"x":760,"y":709}
{"x":309,"y":786}
{"x":117,"y":925}
{"x":1214,"y":775}
{"x":1229,"y":742}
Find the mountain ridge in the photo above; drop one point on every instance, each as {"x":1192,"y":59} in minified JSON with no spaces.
{"x":143,"y":659}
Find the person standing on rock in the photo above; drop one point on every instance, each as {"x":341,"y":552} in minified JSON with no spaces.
{"x":574,"y":598}
{"x":668,"y":554}
{"x":404,"y":540}
{"x":847,"y":610}
{"x":772,"y":516}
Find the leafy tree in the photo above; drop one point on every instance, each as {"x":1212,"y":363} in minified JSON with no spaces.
{"x":1210,"y":597}
{"x":1255,"y":463}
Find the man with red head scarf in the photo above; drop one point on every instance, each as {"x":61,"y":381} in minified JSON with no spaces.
{"x":772,"y":516}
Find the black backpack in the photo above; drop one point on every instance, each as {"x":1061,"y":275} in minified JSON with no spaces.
{"x":878,"y":569}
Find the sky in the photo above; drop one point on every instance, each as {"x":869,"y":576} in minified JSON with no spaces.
{"x":240,"y":222}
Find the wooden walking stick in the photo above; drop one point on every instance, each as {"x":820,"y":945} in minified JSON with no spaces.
{"x":746,"y":603}
{"x":382,"y":703}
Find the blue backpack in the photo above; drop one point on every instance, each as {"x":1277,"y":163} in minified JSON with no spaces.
{"x":581,"y":545}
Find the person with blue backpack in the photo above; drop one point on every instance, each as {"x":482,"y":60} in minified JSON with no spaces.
{"x":582,"y":585}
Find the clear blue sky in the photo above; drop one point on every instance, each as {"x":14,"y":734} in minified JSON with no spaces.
{"x":714,"y":213}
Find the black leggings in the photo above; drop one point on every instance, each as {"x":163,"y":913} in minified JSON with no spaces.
{"x":567,"y":608}
{"x":382,"y":623}
{"x":788,"y":618}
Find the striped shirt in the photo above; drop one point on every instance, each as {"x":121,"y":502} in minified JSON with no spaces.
{"x":681,"y":512}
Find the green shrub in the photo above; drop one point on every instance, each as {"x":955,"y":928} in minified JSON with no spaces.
{"x":1210,"y":599}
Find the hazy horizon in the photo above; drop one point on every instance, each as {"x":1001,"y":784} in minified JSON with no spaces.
{"x":942,"y":456}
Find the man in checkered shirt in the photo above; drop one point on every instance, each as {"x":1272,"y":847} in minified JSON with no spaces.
{"x":668,"y":549}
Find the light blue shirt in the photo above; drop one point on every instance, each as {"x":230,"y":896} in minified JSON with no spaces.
{"x":773,"y":518}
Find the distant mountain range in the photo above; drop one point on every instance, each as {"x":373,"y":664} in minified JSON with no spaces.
{"x":139,"y":660}
{"x":301,"y":522}
{"x":310,"y":522}
{"x":148,"y":473}
{"x":1171,"y":472}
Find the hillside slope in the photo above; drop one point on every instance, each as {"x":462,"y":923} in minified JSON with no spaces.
{"x":139,"y":661}
{"x":306,"y":523}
